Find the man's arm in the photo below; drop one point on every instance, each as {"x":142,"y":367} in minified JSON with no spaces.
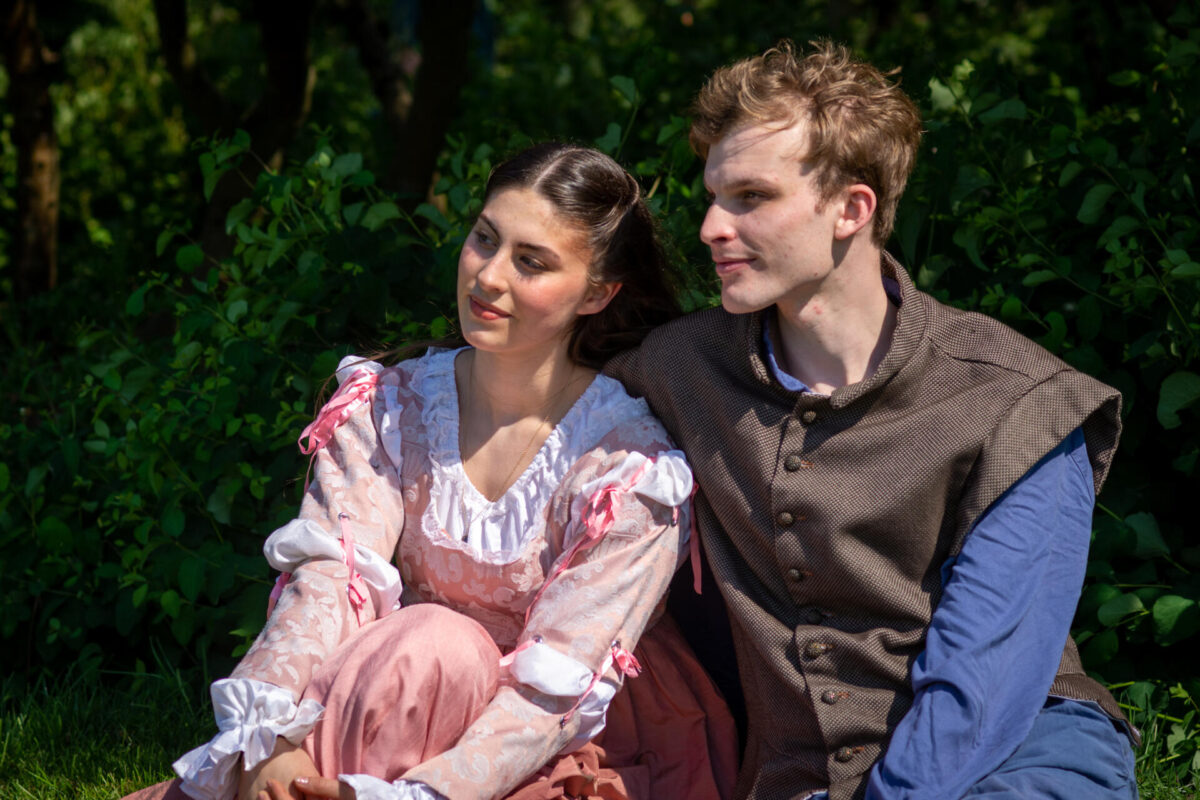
{"x":996,"y":638}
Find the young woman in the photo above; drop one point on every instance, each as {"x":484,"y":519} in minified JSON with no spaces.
{"x":536,"y":513}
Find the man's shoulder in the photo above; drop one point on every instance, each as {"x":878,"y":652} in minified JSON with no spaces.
{"x":970,"y":336}
{"x":710,"y":335}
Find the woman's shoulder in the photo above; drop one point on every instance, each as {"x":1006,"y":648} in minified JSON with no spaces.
{"x":617,"y":421}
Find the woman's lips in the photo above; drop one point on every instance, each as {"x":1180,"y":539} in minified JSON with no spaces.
{"x":485,"y":311}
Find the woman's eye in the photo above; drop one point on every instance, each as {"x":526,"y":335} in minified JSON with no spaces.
{"x":483,"y":238}
{"x":532,"y":263}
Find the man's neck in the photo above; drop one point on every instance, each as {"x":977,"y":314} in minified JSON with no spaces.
{"x":839,"y":334}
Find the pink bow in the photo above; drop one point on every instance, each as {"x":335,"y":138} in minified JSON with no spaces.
{"x":349,"y":396}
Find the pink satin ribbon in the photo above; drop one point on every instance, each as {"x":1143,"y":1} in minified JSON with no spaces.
{"x":345,"y":401}
{"x":355,"y":587}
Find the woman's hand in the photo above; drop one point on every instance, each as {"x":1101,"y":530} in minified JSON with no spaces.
{"x":313,"y":786}
{"x":287,"y":761}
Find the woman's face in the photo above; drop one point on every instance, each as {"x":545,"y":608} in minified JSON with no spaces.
{"x":523,"y":276}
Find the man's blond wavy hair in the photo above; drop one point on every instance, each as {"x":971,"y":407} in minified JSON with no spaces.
{"x":862,"y":128}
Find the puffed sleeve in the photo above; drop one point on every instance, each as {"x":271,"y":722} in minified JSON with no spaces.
{"x":620,"y":528}
{"x":337,"y":577}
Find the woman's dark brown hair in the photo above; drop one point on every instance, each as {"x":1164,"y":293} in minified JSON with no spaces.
{"x":592,"y":191}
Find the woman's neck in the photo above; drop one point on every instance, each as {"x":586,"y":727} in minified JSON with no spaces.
{"x":507,"y":407}
{"x":503,"y":390}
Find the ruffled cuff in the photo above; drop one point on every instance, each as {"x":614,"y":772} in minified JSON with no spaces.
{"x":368,"y":787}
{"x":250,"y":716}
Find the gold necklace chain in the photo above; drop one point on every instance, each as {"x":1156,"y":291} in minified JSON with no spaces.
{"x":549,"y":409}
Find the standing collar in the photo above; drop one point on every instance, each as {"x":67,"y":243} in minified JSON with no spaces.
{"x":910,"y":329}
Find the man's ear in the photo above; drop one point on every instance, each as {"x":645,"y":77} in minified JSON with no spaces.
{"x":598,"y":296}
{"x":857,"y":210}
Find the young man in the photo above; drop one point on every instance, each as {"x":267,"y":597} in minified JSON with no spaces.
{"x":896,"y":496}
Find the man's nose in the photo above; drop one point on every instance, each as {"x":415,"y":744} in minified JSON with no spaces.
{"x":717,"y":225}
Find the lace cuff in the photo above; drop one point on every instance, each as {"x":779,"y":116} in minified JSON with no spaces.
{"x":250,"y":716}
{"x":368,"y":787}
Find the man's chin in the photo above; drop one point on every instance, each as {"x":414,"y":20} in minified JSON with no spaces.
{"x":734,"y":304}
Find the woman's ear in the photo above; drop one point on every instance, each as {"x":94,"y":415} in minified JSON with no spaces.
{"x":858,"y":209}
{"x":598,"y":296}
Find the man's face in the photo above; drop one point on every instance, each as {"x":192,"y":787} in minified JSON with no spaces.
{"x":772,"y":239}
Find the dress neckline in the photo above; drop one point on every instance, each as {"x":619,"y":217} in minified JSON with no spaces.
{"x":451,"y":431}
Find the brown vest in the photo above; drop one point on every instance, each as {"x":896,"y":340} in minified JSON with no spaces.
{"x":827,"y":519}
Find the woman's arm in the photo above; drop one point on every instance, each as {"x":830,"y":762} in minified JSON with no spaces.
{"x":351,"y":514}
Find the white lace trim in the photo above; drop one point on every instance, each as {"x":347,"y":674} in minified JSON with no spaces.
{"x":250,"y":716}
{"x":368,"y":787}
{"x":496,"y":532}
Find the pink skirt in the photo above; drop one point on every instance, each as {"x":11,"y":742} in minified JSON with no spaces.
{"x":406,"y":687}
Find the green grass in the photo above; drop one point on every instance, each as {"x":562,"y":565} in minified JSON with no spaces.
{"x":99,"y":737}
{"x":95,"y":737}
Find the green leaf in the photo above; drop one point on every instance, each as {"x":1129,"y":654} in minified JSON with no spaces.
{"x":352,"y":212}
{"x":1039,"y":277}
{"x":189,"y":257}
{"x":1178,"y":391}
{"x":1121,"y":226}
{"x":238,"y":213}
{"x":1069,"y":173}
{"x":136,"y":302}
{"x":1093,"y":203}
{"x":53,"y":534}
{"x":1126,"y":77}
{"x":970,"y":179}
{"x":172,"y":522}
{"x":1178,"y":257}
{"x":1120,"y":607}
{"x":5,"y":476}
{"x":163,"y":241}
{"x":236,"y":310}
{"x":347,"y":164}
{"x":1189,"y":270}
{"x":1175,"y":618}
{"x":611,"y":139}
{"x":1011,"y":108}
{"x":1090,"y":318}
{"x":626,"y":87}
{"x":1100,"y":649}
{"x":191,"y":577}
{"x":378,"y":214}
{"x":1149,"y":540}
{"x":308,"y":262}
{"x":139,"y":595}
{"x":170,"y":603}
{"x":431,"y":213}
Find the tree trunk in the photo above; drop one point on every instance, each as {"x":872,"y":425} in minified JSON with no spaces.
{"x":272,"y":121}
{"x":28,"y":63}
{"x":417,"y":115}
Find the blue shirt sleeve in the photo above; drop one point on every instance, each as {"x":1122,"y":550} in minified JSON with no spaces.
{"x":996,"y":637}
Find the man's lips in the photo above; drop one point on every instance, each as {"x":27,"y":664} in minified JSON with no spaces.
{"x":725,"y":266}
{"x":485,"y":311}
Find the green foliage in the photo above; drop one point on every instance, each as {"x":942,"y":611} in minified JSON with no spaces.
{"x":1169,"y":720}
{"x":160,"y":450}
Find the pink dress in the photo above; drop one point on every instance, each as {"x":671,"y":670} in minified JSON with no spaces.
{"x":548,"y":590}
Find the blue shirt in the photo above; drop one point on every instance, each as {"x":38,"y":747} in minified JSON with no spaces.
{"x":996,"y":638}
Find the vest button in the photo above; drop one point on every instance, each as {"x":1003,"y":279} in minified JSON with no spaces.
{"x":792,"y":463}
{"x":809,"y":417}
{"x":817,"y":649}
{"x":795,"y":574}
{"x":830,"y":697}
{"x":845,"y":754}
{"x":785,"y":518}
